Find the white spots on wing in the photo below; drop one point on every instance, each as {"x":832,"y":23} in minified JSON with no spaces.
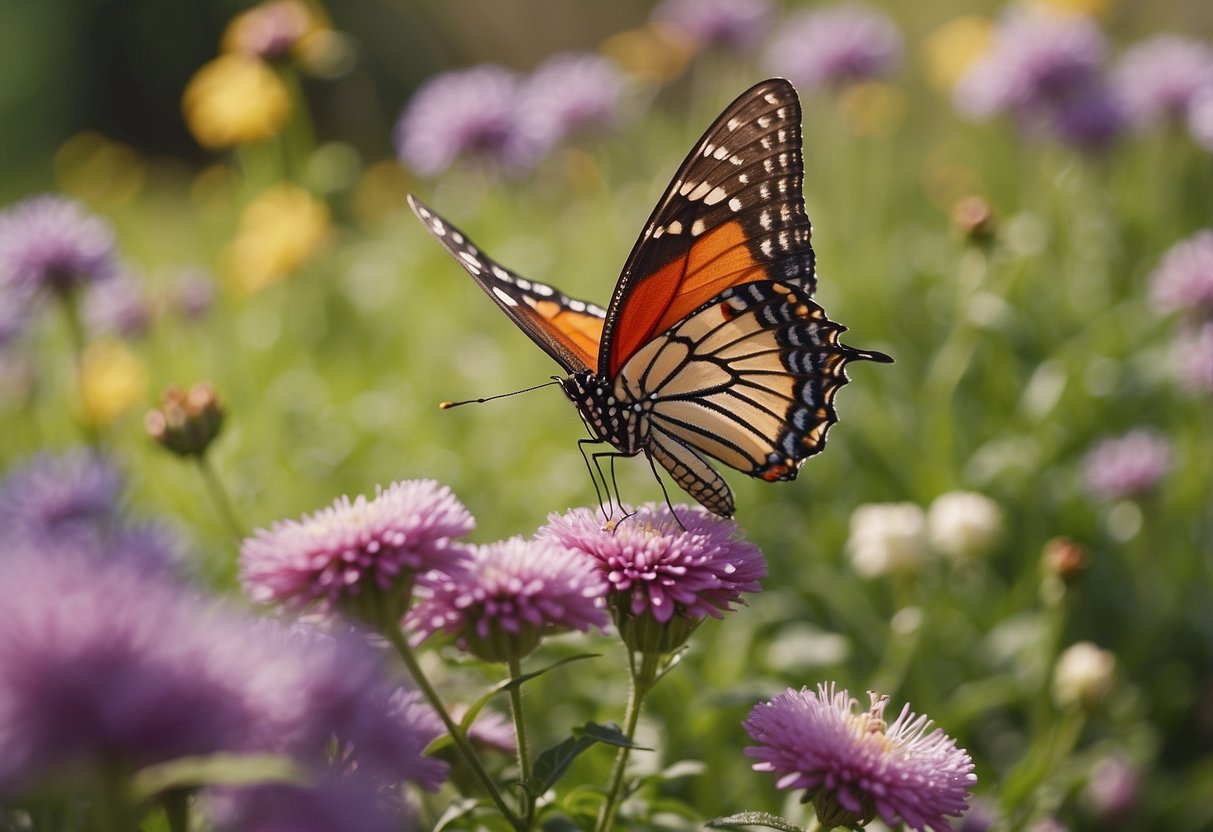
{"x":766,"y":142}
{"x":522,"y":284}
{"x":737,"y":160}
{"x":768,"y":165}
{"x":783,"y":160}
{"x":576,"y":305}
{"x":457,"y":237}
{"x":658,"y":232}
{"x":785,"y":213}
{"x":764,"y":219}
{"x":542,"y":289}
{"x":733,"y":124}
{"x":708,"y":148}
{"x":764,"y":121}
{"x":674,"y":227}
{"x":766,"y":247}
{"x":686,"y":188}
{"x":717,"y":194}
{"x":743,"y":178}
{"x":781,"y":113}
{"x":782,"y":135}
{"x":504,"y":297}
{"x":721,"y":152}
{"x":438,"y":228}
{"x":500,"y":273}
{"x":701,"y":190}
{"x":470,"y":259}
{"x":771,"y":98}
{"x":764,"y":190}
{"x":735,"y":204}
{"x":697,"y":228}
{"x":783,"y":241}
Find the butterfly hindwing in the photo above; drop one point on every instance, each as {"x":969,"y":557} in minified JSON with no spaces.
{"x":733,"y":214}
{"x":568,"y":329}
{"x":748,"y":379}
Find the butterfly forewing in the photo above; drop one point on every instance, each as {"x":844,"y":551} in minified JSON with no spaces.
{"x":568,"y":329}
{"x":733,"y":214}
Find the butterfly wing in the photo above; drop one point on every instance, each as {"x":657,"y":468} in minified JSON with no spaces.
{"x":748,"y":379}
{"x":733,"y":214}
{"x":567,"y":329}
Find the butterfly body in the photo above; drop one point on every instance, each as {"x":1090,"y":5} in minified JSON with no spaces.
{"x":711,"y":345}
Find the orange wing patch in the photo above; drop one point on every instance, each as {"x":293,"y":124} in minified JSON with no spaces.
{"x":715,"y":262}
{"x":581,"y":332}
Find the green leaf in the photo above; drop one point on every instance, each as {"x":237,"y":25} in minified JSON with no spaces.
{"x":763,"y":819}
{"x":458,"y":809}
{"x":216,"y":769}
{"x":610,"y":734}
{"x":553,"y":762}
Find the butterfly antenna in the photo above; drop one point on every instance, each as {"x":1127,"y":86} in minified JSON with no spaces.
{"x":449,"y":405}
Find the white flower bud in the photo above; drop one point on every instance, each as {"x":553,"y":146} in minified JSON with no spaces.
{"x":887,"y":537}
{"x":963,"y":524}
{"x":1084,"y":674}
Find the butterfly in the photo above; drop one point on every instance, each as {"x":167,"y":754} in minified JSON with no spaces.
{"x":711,"y":345}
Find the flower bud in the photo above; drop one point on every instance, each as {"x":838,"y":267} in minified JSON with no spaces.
{"x":974,"y":218}
{"x":1063,"y":558}
{"x":186,"y":423}
{"x":1084,"y":674}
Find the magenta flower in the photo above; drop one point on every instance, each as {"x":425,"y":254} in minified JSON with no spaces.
{"x":1183,"y":279}
{"x":854,"y":766}
{"x":1127,"y":466}
{"x":571,"y":94}
{"x":511,"y":594}
{"x":1113,"y":788}
{"x":471,"y":114}
{"x":657,"y":570}
{"x":56,"y":495}
{"x":347,"y":803}
{"x":732,"y":24}
{"x":360,"y":551}
{"x":490,"y":730}
{"x":836,"y":45}
{"x":1192,"y":355}
{"x":1158,"y":78}
{"x":52,"y":243}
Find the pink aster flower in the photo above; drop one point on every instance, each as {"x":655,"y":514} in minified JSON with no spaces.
{"x":359,"y":552}
{"x":1158,"y":78}
{"x":661,"y":572}
{"x":53,"y":243}
{"x":1129,"y":465}
{"x":511,"y":594}
{"x":854,"y":766}
{"x":1183,"y":279}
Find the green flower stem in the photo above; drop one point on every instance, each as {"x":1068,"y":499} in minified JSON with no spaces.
{"x":641,"y":684}
{"x":70,"y":304}
{"x":219,"y":496}
{"x":176,"y":804}
{"x":397,"y":640}
{"x":524,"y":753}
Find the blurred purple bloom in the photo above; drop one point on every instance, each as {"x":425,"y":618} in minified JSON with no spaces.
{"x":516,"y":590}
{"x":52,"y":243}
{"x":14,"y":313}
{"x":349,"y":803}
{"x":733,"y":24}
{"x":1158,"y":78}
{"x":271,"y":29}
{"x":1091,"y":121}
{"x":980,"y":817}
{"x":469,"y":113}
{"x":570,"y":94}
{"x":1113,"y":787}
{"x":104,"y":663}
{"x":1048,"y":825}
{"x":1127,"y":466}
{"x":836,"y":45}
{"x":1183,"y":279}
{"x":660,"y":569}
{"x":56,"y":495}
{"x":118,"y":306}
{"x":856,"y":765}
{"x":492,"y":729}
{"x":192,"y":293}
{"x":1193,"y":357}
{"x":351,"y":549}
{"x":1200,"y":118}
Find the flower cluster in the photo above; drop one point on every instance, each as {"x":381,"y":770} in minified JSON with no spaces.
{"x":1159,"y":79}
{"x":1127,"y":466}
{"x":1183,"y":283}
{"x":492,"y":115}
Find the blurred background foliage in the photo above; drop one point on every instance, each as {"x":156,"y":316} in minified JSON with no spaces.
{"x":1017,"y":352}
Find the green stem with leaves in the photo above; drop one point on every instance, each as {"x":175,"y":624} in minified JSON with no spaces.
{"x":524,"y":753}
{"x":396,"y":638}
{"x":642,"y":679}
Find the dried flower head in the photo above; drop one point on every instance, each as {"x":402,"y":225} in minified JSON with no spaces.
{"x":663,"y":578}
{"x":51,"y":243}
{"x":1127,"y":466}
{"x":836,"y":45}
{"x":362,"y":556}
{"x":1065,"y":559}
{"x":511,"y":594}
{"x":855,"y":766}
{"x":186,"y":423}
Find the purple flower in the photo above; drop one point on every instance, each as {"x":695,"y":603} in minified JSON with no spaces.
{"x":1183,"y":279}
{"x":104,"y":664}
{"x":571,"y":94}
{"x":118,"y":306}
{"x":1158,"y":78}
{"x":733,"y":24}
{"x":57,"y":496}
{"x":1193,"y":358}
{"x":1127,"y":466}
{"x":853,"y":766}
{"x":491,"y":729}
{"x":52,"y":243}
{"x":471,"y":113}
{"x":654,"y":568}
{"x":347,"y":803}
{"x":836,"y":45}
{"x":1091,"y":121}
{"x":1200,"y":118}
{"x":511,"y":594}
{"x":360,"y":550}
{"x":192,"y":293}
{"x":1113,"y":787}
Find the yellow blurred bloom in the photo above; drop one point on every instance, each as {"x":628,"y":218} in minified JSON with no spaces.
{"x":279,"y":231}
{"x":235,"y":100}
{"x":112,"y":381}
{"x":952,"y":48}
{"x":1094,"y":8}
{"x":97,"y":170}
{"x":871,"y":108}
{"x":650,"y":53}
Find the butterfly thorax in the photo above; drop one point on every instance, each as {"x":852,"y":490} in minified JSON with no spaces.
{"x":621,"y":421}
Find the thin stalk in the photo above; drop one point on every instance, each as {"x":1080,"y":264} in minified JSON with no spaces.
{"x":524,"y":753}
{"x":640,"y":684}
{"x":397,"y":640}
{"x":219,"y":496}
{"x":75,"y":331}
{"x":176,"y":804}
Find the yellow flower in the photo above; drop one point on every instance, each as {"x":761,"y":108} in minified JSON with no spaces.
{"x":650,"y":53}
{"x":279,"y":231}
{"x":112,"y":381}
{"x":235,"y":100}
{"x":871,"y":108}
{"x":952,"y":48}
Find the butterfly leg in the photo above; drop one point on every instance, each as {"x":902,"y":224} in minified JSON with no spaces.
{"x":618,"y":496}
{"x":602,"y":505}
{"x":664,"y":493}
